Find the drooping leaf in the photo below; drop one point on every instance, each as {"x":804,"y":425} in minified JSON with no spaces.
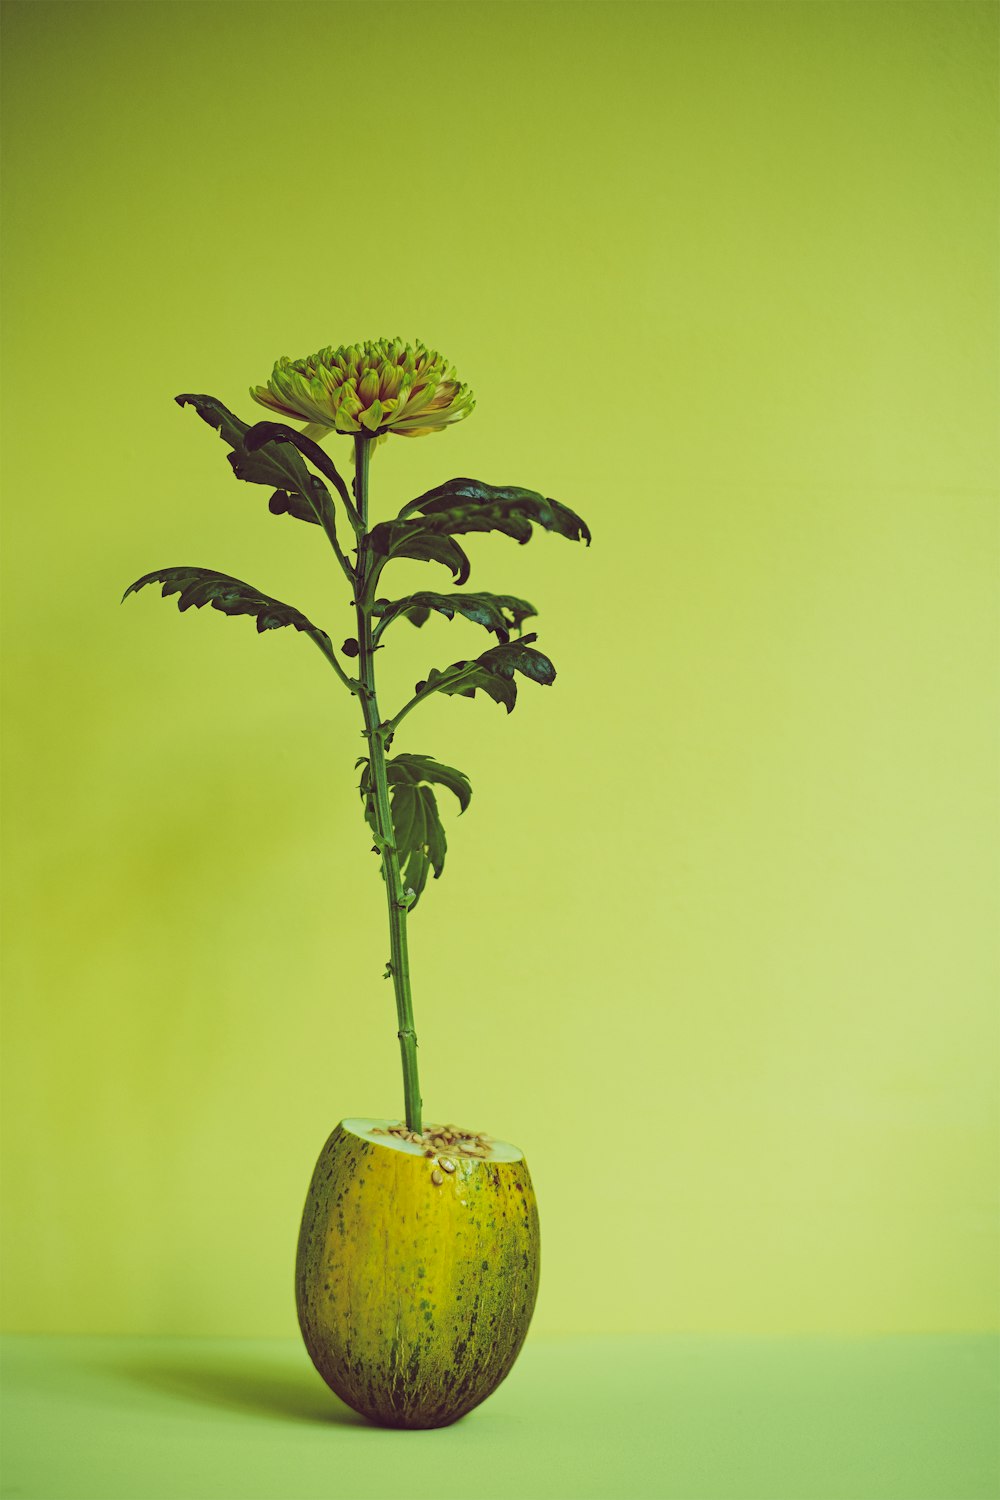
{"x":500,"y":613}
{"x":417,"y":768}
{"x":297,"y":492}
{"x":414,"y":871}
{"x":470,"y":497}
{"x":466,"y":505}
{"x":418,"y":833}
{"x":492,"y":673}
{"x":262,"y":433}
{"x":199,"y":586}
{"x":405,"y":808}
{"x":520,"y":656}
{"x":425,"y":547}
{"x":435,"y":842}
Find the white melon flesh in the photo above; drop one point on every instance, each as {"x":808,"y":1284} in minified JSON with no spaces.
{"x":376,"y":1132}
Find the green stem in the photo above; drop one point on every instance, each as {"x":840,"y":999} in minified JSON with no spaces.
{"x":380,"y":627}
{"x":391,"y":725}
{"x":332,"y":538}
{"x":351,"y":683}
{"x":394,"y":723}
{"x":378,"y":737}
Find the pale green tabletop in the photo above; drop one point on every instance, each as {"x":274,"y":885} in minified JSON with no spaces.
{"x":674,"y":1418}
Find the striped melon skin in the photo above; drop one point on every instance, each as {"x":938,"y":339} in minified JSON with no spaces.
{"x":414,"y":1298}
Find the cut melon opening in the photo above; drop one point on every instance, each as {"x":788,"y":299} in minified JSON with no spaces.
{"x":437,"y":1140}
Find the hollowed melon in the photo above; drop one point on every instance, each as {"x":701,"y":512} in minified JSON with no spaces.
{"x":415,"y":1284}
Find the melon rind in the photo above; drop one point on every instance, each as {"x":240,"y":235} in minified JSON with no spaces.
{"x":414,"y":1297}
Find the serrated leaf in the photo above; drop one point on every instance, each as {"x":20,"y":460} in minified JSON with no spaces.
{"x":425,"y":547}
{"x":500,"y":613}
{"x":418,"y":834}
{"x":416,"y":839}
{"x":262,"y":433}
{"x":464,"y":678}
{"x":297,"y":492}
{"x":467,"y":497}
{"x":434,"y":835}
{"x":520,"y":656}
{"x":466,"y":505}
{"x":403,"y":803}
{"x":414,"y":769}
{"x":493,"y":672}
{"x":414,"y":874}
{"x":199,"y":586}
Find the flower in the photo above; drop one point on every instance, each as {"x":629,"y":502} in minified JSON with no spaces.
{"x":377,"y":387}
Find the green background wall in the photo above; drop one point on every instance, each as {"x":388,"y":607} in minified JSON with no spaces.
{"x":714,"y":943}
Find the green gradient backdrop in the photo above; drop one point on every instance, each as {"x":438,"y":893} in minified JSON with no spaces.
{"x":715,"y":939}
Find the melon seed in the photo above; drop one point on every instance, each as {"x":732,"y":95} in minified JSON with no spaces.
{"x":436,"y":1178}
{"x":449,"y":1166}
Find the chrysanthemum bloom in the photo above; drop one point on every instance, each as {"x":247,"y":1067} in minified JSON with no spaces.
{"x":378,"y":387}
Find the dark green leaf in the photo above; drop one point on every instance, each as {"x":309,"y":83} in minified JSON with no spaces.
{"x":467,"y":497}
{"x":417,"y":768}
{"x":500,"y":613}
{"x":404,"y":809}
{"x":463,"y":678}
{"x":434,"y":837}
{"x":414,"y":872}
{"x":417,"y":842}
{"x":297,"y":492}
{"x":493,"y":672}
{"x":418,"y":833}
{"x":464,"y":505}
{"x":229,"y":428}
{"x":519,"y":656}
{"x":261,"y":433}
{"x":425,"y":547}
{"x":200,"y":586}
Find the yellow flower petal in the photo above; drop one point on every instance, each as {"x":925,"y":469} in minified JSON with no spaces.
{"x":380,"y":386}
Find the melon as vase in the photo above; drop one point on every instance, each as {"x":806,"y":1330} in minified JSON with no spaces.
{"x":417,"y":1269}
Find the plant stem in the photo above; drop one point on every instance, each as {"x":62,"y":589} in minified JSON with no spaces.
{"x":452,"y":677}
{"x":349,"y":682}
{"x":378,"y":737}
